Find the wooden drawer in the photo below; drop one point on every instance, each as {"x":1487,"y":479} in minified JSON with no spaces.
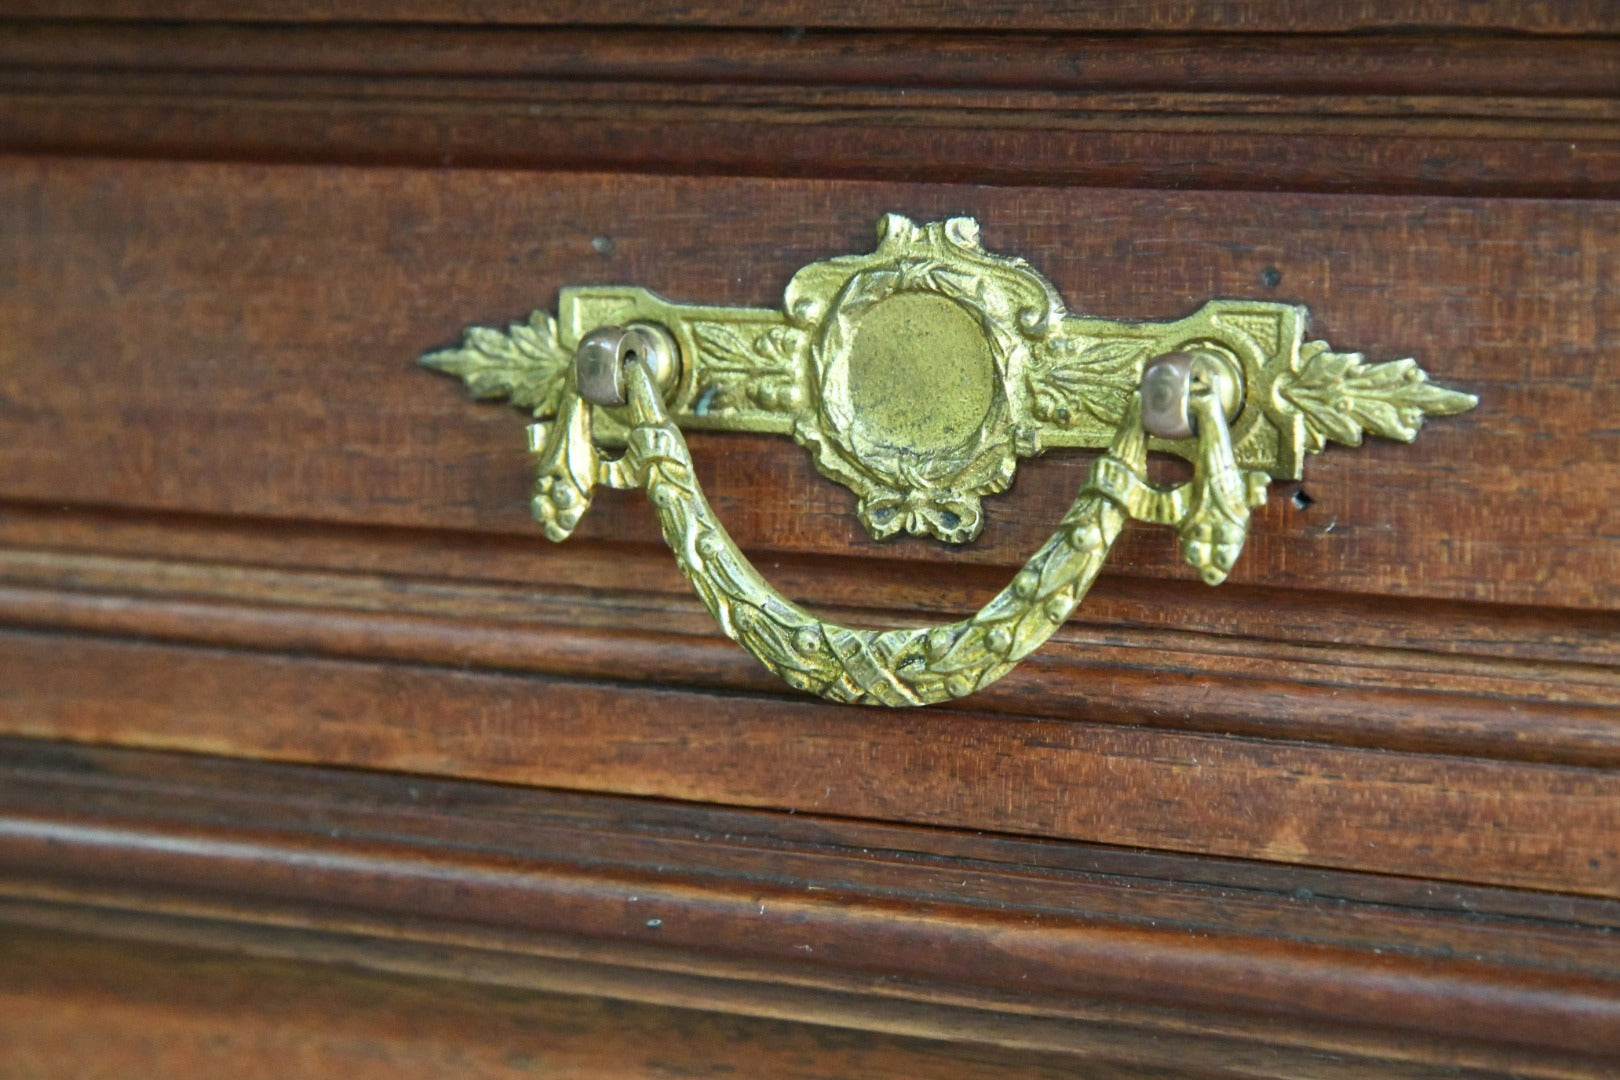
{"x":288,"y":676}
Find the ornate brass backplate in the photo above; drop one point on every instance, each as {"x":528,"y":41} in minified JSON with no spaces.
{"x":917,"y":376}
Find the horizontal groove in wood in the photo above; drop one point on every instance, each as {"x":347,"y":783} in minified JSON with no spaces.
{"x":1434,"y":114}
{"x":1114,"y":1041}
{"x":1547,"y":17}
{"x":985,"y":917}
{"x":1219,"y":115}
{"x":1519,"y":147}
{"x":1095,"y":670}
{"x":1318,"y":68}
{"x":1513,"y":824}
{"x":78,"y":1006}
{"x":63,"y":545}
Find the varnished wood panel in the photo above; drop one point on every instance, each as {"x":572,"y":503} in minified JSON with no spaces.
{"x":1531,"y":825}
{"x":1146,"y":958}
{"x":1271,"y":16}
{"x":489,"y":807}
{"x":158,"y":118}
{"x":238,"y":340}
{"x":191,"y":556}
{"x":1473,"y":680}
{"x":1475,"y":75}
{"x":85,"y":1008}
{"x":1440,"y":113}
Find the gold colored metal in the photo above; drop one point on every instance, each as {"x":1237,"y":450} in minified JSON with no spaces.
{"x":917,"y":376}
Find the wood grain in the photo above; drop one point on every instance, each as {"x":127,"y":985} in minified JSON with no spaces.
{"x":1452,"y":114}
{"x":1474,"y":74}
{"x":1536,"y":826}
{"x":1108,"y":1046}
{"x":1266,"y":16}
{"x":235,"y":340}
{"x":1138,"y":656}
{"x":547,"y":127}
{"x":1341,"y":965}
{"x":78,"y":1007}
{"x":448,"y":801}
{"x":68,"y":547}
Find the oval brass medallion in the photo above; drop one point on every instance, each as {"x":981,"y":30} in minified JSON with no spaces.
{"x":918,"y":374}
{"x":921,"y":374}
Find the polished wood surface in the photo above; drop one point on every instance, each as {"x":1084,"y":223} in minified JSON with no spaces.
{"x":1017,"y":942}
{"x":1450,"y":817}
{"x":316,"y":758}
{"x":1265,"y":16}
{"x":71,"y":1007}
{"x":288,"y":306}
{"x":1454,"y":113}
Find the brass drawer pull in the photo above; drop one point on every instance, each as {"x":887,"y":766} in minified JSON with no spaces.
{"x":917,"y":375}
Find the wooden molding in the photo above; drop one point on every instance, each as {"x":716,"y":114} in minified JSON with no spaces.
{"x":1266,"y":16}
{"x":1443,"y":113}
{"x":235,"y":855}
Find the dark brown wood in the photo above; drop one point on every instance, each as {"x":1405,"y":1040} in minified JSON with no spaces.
{"x":234,"y":340}
{"x":1111,"y":940}
{"x":1536,"y":826}
{"x":316,"y":759}
{"x":156,"y":553}
{"x":1048,"y":149}
{"x":1482,"y":75}
{"x":1141,"y":652}
{"x":1454,"y":114}
{"x":78,"y":1007}
{"x":1266,"y":16}
{"x":1000,"y":1041}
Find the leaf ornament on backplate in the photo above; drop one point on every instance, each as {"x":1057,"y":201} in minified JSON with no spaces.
{"x":1342,"y":397}
{"x":917,"y":376}
{"x":526,"y":364}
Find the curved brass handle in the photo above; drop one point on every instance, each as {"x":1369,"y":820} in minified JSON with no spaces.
{"x":917,"y":376}
{"x":904,"y":666}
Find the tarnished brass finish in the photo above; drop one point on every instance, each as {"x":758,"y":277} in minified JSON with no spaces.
{"x":602,"y":354}
{"x":1168,"y":383}
{"x":916,"y":376}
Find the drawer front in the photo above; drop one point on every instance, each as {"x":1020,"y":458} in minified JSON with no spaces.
{"x":289,"y":674}
{"x":221,"y":372}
